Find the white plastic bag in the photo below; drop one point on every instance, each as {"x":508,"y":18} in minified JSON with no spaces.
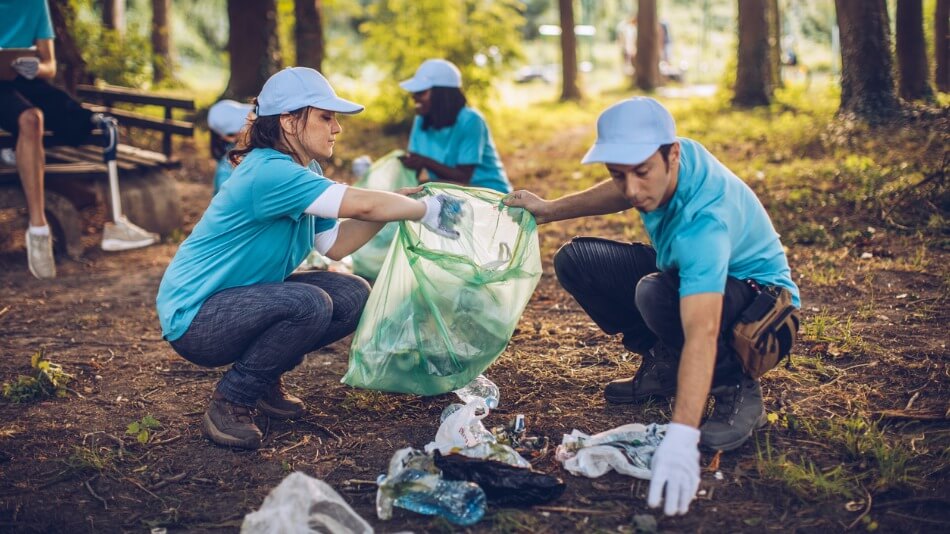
{"x":628,"y":449}
{"x":462,"y":429}
{"x":302,"y":504}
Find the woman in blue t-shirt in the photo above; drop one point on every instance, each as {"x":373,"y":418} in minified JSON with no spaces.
{"x":229,"y":296}
{"x":450,"y":140}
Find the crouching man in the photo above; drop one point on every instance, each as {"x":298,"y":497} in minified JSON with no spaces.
{"x":715,"y":264}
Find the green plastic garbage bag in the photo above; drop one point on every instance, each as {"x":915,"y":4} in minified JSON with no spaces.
{"x":442,"y":310}
{"x":386,"y":174}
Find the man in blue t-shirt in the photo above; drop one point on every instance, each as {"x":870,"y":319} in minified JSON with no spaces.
{"x":675,"y":302}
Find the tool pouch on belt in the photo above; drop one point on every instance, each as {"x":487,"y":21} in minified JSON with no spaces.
{"x":766,"y":330}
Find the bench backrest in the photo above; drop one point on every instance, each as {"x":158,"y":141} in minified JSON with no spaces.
{"x":103,"y":98}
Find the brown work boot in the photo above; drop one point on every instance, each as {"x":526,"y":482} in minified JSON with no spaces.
{"x":655,"y":379}
{"x":231,"y":425}
{"x":278,"y":404}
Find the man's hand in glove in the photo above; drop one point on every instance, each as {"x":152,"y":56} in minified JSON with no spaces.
{"x":676,"y":468}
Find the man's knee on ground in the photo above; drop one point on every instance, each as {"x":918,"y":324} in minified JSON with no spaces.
{"x":30,"y":123}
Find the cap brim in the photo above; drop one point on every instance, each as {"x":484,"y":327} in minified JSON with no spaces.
{"x":339,"y":105}
{"x":620,"y":153}
{"x":414,"y":85}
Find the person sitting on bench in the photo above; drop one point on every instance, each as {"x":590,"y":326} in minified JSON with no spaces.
{"x":29,"y":104}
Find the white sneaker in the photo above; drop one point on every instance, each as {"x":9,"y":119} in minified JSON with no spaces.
{"x":123,"y":235}
{"x":39,"y":255}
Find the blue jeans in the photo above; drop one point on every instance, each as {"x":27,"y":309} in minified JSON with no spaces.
{"x":265,"y":330}
{"x":618,"y":285}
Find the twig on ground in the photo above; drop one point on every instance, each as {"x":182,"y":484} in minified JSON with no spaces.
{"x":867,"y":509}
{"x":167,"y":441}
{"x":302,"y":442}
{"x":567,"y":510}
{"x":170,"y":480}
{"x":911,"y":401}
{"x":143,"y":488}
{"x":94,"y":494}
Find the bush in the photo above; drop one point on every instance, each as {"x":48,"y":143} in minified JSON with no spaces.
{"x":114,"y":58}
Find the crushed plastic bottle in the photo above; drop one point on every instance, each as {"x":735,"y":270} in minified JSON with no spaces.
{"x":480,"y":388}
{"x":414,"y":483}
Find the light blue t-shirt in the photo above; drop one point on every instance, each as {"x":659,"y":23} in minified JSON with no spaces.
{"x":467,"y":142}
{"x":24,"y":22}
{"x":714,"y":227}
{"x":254,"y":231}
{"x":223,"y":170}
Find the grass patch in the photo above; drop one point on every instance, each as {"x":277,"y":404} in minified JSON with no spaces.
{"x":839,"y":336}
{"x":802,"y":477}
{"x":46,"y":380}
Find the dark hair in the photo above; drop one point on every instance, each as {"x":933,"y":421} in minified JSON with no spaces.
{"x":445,"y":104}
{"x":665,"y":154}
{"x":265,"y":132}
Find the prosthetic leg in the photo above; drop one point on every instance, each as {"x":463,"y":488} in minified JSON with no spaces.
{"x":120,"y":234}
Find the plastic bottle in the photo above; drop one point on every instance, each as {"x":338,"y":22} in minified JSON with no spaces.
{"x":480,"y":388}
{"x":462,"y":503}
{"x":449,"y":410}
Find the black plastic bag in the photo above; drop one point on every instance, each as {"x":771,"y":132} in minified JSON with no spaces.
{"x":504,"y":485}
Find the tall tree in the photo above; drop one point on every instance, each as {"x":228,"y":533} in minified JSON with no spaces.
{"x":161,"y":45}
{"x":754,"y":68}
{"x":775,"y":44}
{"x":72,"y":69}
{"x":867,"y":82}
{"x":942,"y":44}
{"x":647,"y":75}
{"x":913,"y":80}
{"x":569,"y":87}
{"x":113,"y":15}
{"x":308,"y":33}
{"x":252,"y":45}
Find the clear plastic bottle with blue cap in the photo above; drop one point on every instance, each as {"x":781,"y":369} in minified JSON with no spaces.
{"x":480,"y":388}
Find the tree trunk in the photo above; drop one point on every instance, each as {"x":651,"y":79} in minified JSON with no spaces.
{"x":775,"y":45}
{"x":867,"y":82}
{"x":72,"y":68}
{"x":942,"y":44}
{"x":253,"y":46}
{"x":754,"y":67}
{"x":569,"y":88}
{"x":113,"y":15}
{"x":308,"y":33}
{"x":912,"y":68}
{"x":647,"y":75}
{"x":161,"y":45}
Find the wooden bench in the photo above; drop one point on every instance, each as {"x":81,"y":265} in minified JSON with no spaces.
{"x":76,"y":176}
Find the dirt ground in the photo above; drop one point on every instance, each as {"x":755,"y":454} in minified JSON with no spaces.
{"x":67,"y":464}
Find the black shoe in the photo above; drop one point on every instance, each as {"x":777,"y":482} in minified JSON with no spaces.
{"x":655,"y":379}
{"x":737,"y":412}
{"x":278,"y":404}
{"x":231,"y":425}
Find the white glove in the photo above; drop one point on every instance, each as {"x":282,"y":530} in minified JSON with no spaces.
{"x":675,"y":466}
{"x":443,"y":212}
{"x":28,"y":67}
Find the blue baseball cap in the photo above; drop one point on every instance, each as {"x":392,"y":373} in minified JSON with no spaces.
{"x":298,"y":87}
{"x":630,"y":131}
{"x":227,"y":117}
{"x":433,"y":73}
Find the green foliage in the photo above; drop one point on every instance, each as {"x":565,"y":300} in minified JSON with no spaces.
{"x":48,"y":380}
{"x":401,"y":34}
{"x":142,"y":428}
{"x":111,"y":57}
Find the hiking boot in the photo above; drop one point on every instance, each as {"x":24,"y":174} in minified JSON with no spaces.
{"x":278,"y":404}
{"x":123,"y":235}
{"x":231,"y":425}
{"x":39,"y":255}
{"x":655,"y":379}
{"x":737,"y":412}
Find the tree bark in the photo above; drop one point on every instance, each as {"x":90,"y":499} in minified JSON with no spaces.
{"x":161,"y":45}
{"x":308,"y":33}
{"x":253,"y":46}
{"x":754,"y":67}
{"x":72,"y":68}
{"x":775,"y":45}
{"x":867,"y":82}
{"x":942,"y":44}
{"x":113,"y":15}
{"x":913,"y":80}
{"x":569,"y":87}
{"x":647,"y":76}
